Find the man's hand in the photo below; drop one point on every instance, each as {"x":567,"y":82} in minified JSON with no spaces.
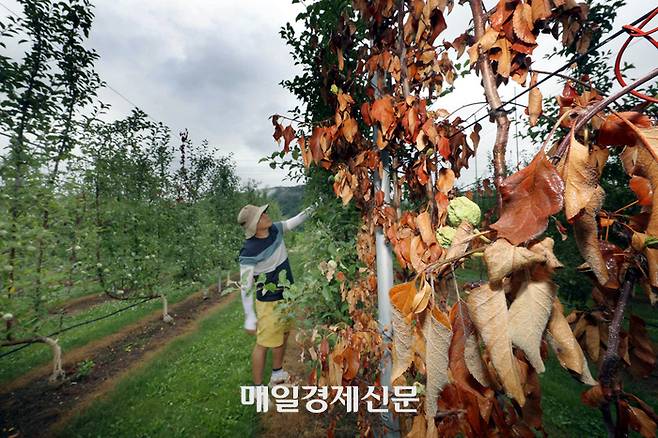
{"x":250,"y":325}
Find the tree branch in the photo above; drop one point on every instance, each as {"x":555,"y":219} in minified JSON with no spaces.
{"x":598,"y":107}
{"x":10,"y":343}
{"x":609,"y":365}
{"x":402,"y":49}
{"x":608,"y":372}
{"x":493,"y":99}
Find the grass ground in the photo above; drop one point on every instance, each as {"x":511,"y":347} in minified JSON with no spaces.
{"x":563,"y":412}
{"x":191,"y":389}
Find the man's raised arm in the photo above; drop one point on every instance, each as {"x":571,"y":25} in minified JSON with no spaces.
{"x":296,"y":221}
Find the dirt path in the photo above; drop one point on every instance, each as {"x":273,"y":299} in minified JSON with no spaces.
{"x":33,"y":407}
{"x":302,"y":424}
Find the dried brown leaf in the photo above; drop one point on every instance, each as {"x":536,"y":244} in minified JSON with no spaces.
{"x":641,"y":422}
{"x":502,"y":258}
{"x":488,"y":310}
{"x":402,"y":343}
{"x":383,"y":112}
{"x":615,"y":132}
{"x":349,"y":129}
{"x":534,"y":109}
{"x":529,"y":313}
{"x":587,"y":238}
{"x":545,"y":248}
{"x":424,"y":225}
{"x":640,"y":160}
{"x":563,"y":341}
{"x":541,"y":9}
{"x":446,"y":180}
{"x":503,"y":57}
{"x":580,"y":177}
{"x":642,"y":188}
{"x":438,"y":336}
{"x":524,"y":23}
{"x":530,"y":197}
{"x":593,"y":341}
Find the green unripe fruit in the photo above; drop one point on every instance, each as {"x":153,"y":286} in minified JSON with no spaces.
{"x":462,"y":208}
{"x":444,"y":235}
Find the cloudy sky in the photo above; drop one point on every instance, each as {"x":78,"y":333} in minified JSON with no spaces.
{"x":213,"y":67}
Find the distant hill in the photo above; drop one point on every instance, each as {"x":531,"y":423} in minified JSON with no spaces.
{"x":288,"y":198}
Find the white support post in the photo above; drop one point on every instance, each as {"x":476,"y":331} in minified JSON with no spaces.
{"x":384,"y":257}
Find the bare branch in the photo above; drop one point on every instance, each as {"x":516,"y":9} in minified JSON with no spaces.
{"x":610,"y":365}
{"x":493,"y":99}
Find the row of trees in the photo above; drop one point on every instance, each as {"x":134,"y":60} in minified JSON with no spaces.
{"x":88,"y":204}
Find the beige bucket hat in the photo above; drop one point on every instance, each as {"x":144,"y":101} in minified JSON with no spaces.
{"x":248,"y":218}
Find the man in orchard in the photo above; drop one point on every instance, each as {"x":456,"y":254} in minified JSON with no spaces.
{"x":264,"y":252}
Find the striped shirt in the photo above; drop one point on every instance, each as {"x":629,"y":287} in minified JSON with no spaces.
{"x":267,"y":256}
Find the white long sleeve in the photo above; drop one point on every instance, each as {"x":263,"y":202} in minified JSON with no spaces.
{"x":246,"y":282}
{"x":296,"y":221}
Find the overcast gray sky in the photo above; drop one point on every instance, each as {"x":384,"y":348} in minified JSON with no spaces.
{"x":213,"y":67}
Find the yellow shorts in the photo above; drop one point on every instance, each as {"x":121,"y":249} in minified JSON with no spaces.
{"x":271,"y":327}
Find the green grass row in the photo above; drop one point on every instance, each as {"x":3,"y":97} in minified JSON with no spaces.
{"x":190,"y":389}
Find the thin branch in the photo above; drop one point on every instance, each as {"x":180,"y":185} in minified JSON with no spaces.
{"x":438,"y":264}
{"x":598,"y":107}
{"x":19,"y":342}
{"x":301,"y":122}
{"x":555,"y":128}
{"x":25,"y":343}
{"x":494,"y":101}
{"x":607,"y":420}
{"x":465,"y":106}
{"x":402,"y":48}
{"x":608,"y":372}
{"x":569,"y":78}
